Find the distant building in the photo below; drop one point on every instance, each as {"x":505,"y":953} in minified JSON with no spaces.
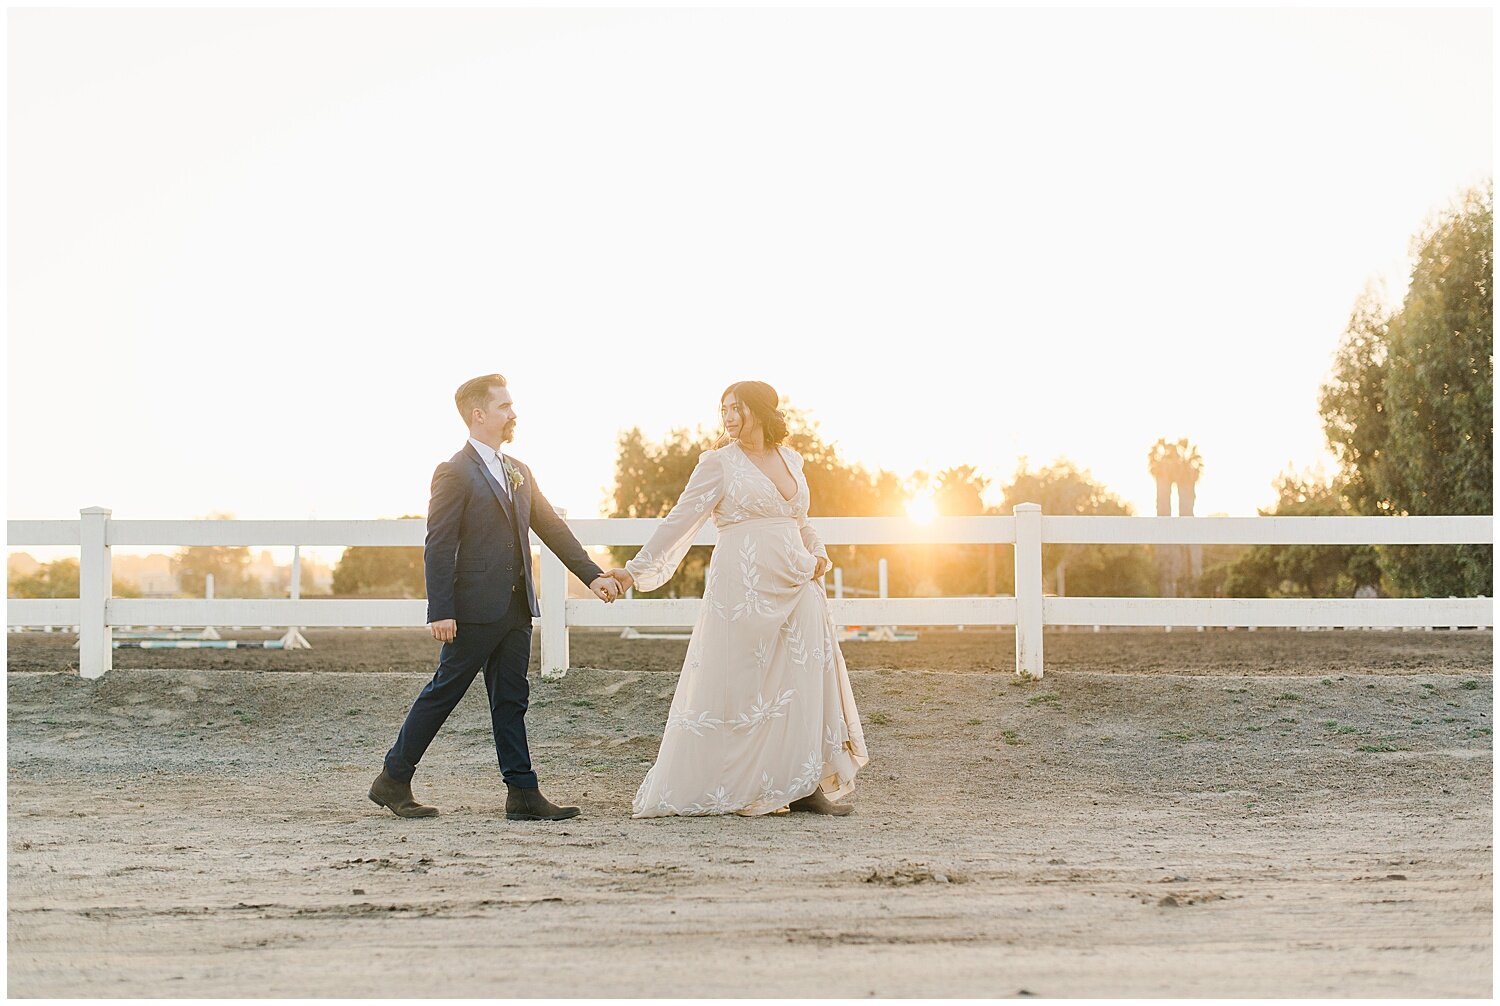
{"x":152,"y":575}
{"x":19,"y":564}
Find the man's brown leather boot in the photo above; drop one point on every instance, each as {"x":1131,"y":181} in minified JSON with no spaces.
{"x":397,"y":796}
{"x":530,"y":805}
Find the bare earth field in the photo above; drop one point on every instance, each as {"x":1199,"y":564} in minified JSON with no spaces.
{"x":1188,"y":814}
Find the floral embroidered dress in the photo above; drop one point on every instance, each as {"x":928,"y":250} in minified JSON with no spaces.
{"x":763,"y":712}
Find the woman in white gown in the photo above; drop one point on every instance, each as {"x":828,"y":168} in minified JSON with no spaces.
{"x":763,"y":717}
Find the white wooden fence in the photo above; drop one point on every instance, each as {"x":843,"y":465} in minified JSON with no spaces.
{"x":95,"y":612}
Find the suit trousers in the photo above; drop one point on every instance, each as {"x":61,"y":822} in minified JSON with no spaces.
{"x":502,"y":650}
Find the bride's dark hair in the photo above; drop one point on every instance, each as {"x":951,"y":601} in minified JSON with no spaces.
{"x":760,"y":398}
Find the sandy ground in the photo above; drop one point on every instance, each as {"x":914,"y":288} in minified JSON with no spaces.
{"x":1214,"y":814}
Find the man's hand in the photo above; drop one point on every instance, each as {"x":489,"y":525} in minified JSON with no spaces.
{"x":624,"y":579}
{"x":606,"y":588}
{"x":444,"y":630}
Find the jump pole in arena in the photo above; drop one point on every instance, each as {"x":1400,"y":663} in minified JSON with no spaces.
{"x":209,"y":638}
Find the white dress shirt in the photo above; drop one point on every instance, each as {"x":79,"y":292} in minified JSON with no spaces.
{"x":495,"y":461}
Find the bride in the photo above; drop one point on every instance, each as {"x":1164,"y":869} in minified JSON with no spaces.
{"x":763,"y":717}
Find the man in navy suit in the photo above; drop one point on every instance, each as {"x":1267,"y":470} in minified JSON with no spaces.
{"x":481,"y":599}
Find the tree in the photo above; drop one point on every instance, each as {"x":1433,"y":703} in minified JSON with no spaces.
{"x":60,"y":579}
{"x":228,"y":565}
{"x":1409,"y":407}
{"x":1176,"y":464}
{"x":381,"y":571}
{"x":966,"y":569}
{"x":1301,"y":570}
{"x":1081,"y":570}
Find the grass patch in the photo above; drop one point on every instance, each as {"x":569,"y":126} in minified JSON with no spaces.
{"x":1341,"y":728}
{"x":974,"y":723}
{"x":1037,"y":700}
{"x":1288,"y":697}
{"x":583,"y":703}
{"x":1010,"y":738}
{"x":1178,"y":736}
{"x":352,"y":712}
{"x":1380,"y":748}
{"x":879,"y":719}
{"x":1469,"y":685}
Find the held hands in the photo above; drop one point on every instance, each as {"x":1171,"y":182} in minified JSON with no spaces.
{"x":606,"y":588}
{"x":623,"y":579}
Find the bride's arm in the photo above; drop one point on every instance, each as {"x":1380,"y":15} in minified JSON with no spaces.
{"x":810,"y":539}
{"x":657,"y":560}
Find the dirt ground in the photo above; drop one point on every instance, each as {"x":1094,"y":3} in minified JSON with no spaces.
{"x":1185,"y":814}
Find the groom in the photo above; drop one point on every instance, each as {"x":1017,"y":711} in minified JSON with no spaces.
{"x":481,"y":599}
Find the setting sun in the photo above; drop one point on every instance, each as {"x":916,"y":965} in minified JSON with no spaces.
{"x":922,"y":508}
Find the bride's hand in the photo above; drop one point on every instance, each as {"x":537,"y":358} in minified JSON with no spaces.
{"x":823,"y":566}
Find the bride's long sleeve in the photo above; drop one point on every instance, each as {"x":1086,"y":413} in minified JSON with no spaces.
{"x":810,"y":539}
{"x":657,"y":560}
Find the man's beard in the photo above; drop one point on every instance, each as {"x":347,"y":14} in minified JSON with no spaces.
{"x":509,"y":433}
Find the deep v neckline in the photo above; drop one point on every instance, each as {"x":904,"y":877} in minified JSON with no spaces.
{"x":774,"y":487}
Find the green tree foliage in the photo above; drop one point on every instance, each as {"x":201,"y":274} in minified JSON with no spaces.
{"x":977,"y":569}
{"x":381,"y":571}
{"x":59,"y":579}
{"x":1299,"y":570}
{"x":650,"y":476}
{"x":1409,"y":408}
{"x":1084,"y":570}
{"x":229,"y":564}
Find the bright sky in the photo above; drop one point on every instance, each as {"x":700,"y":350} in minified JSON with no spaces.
{"x":252,"y":254}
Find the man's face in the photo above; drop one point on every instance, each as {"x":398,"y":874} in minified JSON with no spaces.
{"x":497,"y":418}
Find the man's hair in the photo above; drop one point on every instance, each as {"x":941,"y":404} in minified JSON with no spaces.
{"x":475,"y":394}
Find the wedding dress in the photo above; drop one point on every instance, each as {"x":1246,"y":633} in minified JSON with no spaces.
{"x":763,"y":713}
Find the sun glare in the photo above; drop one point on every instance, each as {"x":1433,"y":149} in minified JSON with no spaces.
{"x":922,"y":508}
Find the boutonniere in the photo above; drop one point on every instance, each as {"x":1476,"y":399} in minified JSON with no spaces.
{"x":513,"y":476}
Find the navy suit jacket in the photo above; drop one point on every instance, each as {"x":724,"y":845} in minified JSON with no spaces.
{"x":478,"y":541}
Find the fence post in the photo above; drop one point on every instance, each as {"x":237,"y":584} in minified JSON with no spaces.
{"x":96,"y":651}
{"x":1028,"y":591}
{"x":554,"y":602}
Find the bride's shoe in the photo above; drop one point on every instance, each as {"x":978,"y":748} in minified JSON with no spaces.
{"x":816,"y":803}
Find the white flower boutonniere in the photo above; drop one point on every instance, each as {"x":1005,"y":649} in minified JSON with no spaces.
{"x":513,"y":475}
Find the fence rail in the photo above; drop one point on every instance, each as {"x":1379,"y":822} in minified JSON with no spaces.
{"x":96,"y":612}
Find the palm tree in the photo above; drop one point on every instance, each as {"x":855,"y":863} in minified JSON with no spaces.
{"x":1176,"y":463}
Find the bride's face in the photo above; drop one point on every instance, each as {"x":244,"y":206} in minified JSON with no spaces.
{"x":737,"y":419}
